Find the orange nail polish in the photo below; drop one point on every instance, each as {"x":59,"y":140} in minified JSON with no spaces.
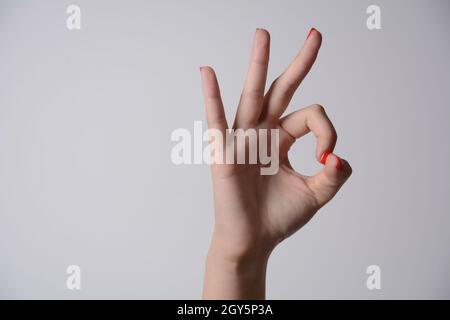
{"x":309,"y":33}
{"x":323,"y":157}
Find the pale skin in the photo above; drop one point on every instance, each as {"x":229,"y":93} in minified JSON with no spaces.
{"x":254,"y":212}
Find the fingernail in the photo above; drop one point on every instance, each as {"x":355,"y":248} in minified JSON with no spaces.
{"x":309,"y":33}
{"x":339,"y":163}
{"x":323,"y":157}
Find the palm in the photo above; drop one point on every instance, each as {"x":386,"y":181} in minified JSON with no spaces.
{"x":267,"y":207}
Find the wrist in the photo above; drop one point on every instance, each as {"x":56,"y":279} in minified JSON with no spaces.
{"x":240,"y":264}
{"x":241,"y":251}
{"x":234,"y":275}
{"x":234,"y":279}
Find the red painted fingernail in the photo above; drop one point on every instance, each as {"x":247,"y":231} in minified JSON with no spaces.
{"x":339,"y":163}
{"x":323,"y":157}
{"x":309,"y":33}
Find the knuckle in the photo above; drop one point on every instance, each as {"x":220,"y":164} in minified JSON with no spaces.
{"x":255,"y":94}
{"x":330,"y":135}
{"x":318,"y":108}
{"x":349,"y":168}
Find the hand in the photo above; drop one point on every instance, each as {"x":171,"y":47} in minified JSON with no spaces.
{"x":254,"y":212}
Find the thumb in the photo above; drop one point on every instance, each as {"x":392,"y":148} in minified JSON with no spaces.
{"x":327,"y":182}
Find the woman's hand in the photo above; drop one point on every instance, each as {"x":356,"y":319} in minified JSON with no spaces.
{"x":254,"y":212}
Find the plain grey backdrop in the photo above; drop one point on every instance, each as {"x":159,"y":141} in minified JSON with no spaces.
{"x":85,"y":123}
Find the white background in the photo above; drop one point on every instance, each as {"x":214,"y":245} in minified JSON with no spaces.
{"x":85,"y":124}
